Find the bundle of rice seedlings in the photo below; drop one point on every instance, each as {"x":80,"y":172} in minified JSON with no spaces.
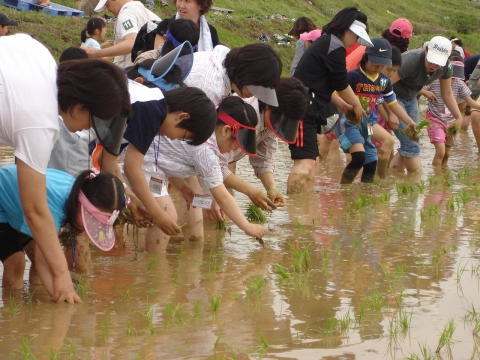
{"x":414,"y":135}
{"x":255,"y":214}
{"x":452,"y":130}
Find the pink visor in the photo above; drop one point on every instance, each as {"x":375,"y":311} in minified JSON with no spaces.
{"x":98,"y":224}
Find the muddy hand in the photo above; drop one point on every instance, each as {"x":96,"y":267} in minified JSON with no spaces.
{"x":255,"y":230}
{"x":167,"y":225}
{"x":63,"y":289}
{"x":276,"y":197}
{"x":140,"y":215}
{"x":215,"y":213}
{"x":261,"y":200}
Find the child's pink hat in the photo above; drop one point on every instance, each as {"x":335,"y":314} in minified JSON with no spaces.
{"x":311,"y":36}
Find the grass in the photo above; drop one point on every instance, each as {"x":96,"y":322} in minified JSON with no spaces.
{"x":25,"y":350}
{"x":13,"y":307}
{"x":215,"y":301}
{"x":105,"y":328}
{"x":446,"y":335}
{"x":254,"y":288}
{"x":300,"y":257}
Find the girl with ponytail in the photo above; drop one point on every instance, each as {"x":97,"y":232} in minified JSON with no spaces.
{"x":96,"y":30}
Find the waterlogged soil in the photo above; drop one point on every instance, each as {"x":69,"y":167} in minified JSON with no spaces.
{"x":372,"y":271}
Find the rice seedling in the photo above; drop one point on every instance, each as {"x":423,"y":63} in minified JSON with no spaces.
{"x":425,"y":352}
{"x":360,"y":314}
{"x":348,"y":208}
{"x":463,"y":197}
{"x":237,"y":296}
{"x":130,"y":329}
{"x":282,"y":272}
{"x":301,"y":283}
{"x":13,"y":307}
{"x":344,"y":322}
{"x":446,"y":335}
{"x":215,"y":301}
{"x":473,"y":317}
{"x":393,"y":327}
{"x":174,"y":314}
{"x":25,"y":350}
{"x":69,"y":348}
{"x":404,"y":189}
{"x":437,"y":256}
{"x":314,"y":221}
{"x":149,"y":313}
{"x":217,"y":340}
{"x":221,"y":225}
{"x":452,"y":130}
{"x":399,"y":298}
{"x":181,"y":251}
{"x":299,"y":226}
{"x":432,"y":180}
{"x":105,"y":328}
{"x":330,"y":326}
{"x":460,"y":270}
{"x":53,"y":354}
{"x":197,"y":312}
{"x":405,"y":319}
{"x":337,"y":249}
{"x":254,"y":288}
{"x":263,"y":341}
{"x":326,"y":259}
{"x":450,"y":205}
{"x":420,"y":186}
{"x":301,"y":257}
{"x":153,"y":261}
{"x":175,"y":276}
{"x":212,"y":262}
{"x":414,"y":134}
{"x":375,"y":301}
{"x":255,"y":214}
{"x":82,"y":289}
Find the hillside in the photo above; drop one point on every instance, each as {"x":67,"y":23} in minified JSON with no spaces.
{"x":252,"y":18}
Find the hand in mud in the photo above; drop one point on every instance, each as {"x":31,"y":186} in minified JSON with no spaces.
{"x":276,"y":197}
{"x":215,"y":213}
{"x":140,"y":215}
{"x":261,"y":200}
{"x":393,"y":122}
{"x":255,"y":230}
{"x":63,"y":289}
{"x":429,"y":95}
{"x":167,"y":225}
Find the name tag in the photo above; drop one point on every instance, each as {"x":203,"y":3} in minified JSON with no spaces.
{"x":370,"y":129}
{"x":202,"y":201}
{"x":156,"y":185}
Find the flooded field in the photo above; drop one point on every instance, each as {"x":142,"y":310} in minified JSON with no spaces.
{"x":383,"y":271}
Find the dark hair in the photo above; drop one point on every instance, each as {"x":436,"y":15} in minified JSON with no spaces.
{"x":73,"y":53}
{"x":302,"y":25}
{"x":238,"y":109}
{"x":292,"y":98}
{"x":253,"y":64}
{"x":458,"y":41}
{"x":104,"y":191}
{"x":96,"y":85}
{"x":342,"y":20}
{"x":174,"y":76}
{"x":92,"y":25}
{"x":201,"y":109}
{"x":400,"y":43}
{"x":182,"y":30}
{"x":396,"y":56}
{"x":456,"y":56}
{"x":204,"y":4}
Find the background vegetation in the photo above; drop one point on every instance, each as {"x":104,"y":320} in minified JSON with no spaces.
{"x":251,"y":18}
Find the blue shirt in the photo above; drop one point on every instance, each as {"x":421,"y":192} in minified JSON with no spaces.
{"x":59,"y":186}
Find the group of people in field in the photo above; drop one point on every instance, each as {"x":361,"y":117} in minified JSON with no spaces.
{"x":177,"y":109}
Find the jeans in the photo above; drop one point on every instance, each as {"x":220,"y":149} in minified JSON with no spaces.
{"x":408,"y":148}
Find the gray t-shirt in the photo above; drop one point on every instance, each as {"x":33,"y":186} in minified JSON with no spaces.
{"x":473,"y":81}
{"x":414,"y":76}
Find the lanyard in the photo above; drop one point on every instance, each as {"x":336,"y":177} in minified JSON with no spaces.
{"x":156,"y":151}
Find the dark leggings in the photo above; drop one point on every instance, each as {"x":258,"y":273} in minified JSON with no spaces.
{"x":352,"y":169}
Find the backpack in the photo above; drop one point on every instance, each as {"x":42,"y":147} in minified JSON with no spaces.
{"x":145,"y":39}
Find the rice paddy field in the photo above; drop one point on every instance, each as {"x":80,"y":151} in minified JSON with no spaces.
{"x":383,"y":271}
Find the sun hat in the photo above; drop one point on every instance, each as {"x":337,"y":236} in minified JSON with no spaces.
{"x":458,"y":69}
{"x":5,"y":21}
{"x":439,"y":49}
{"x":98,"y":224}
{"x":100,"y":6}
{"x":380,"y":53}
{"x":266,"y":95}
{"x":360,"y":29}
{"x":401,"y":28}
{"x":181,"y":57}
{"x":311,"y":36}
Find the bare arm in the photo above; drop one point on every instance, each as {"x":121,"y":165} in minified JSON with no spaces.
{"x":122,"y":48}
{"x":402,"y":115}
{"x":340,"y":104}
{"x":228,"y":204}
{"x":159,"y":41}
{"x":33,"y":195}
{"x":449,"y":100}
{"x":349,"y":96}
{"x":255,"y":194}
{"x":472,"y":103}
{"x":134,"y":172}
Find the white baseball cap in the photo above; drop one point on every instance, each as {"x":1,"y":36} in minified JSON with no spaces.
{"x":360,"y":29}
{"x":100,"y":6}
{"x":439,"y":49}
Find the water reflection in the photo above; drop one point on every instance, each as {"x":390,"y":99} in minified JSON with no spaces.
{"x":375,"y":252}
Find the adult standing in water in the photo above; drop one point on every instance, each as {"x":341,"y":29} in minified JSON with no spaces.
{"x":88,"y":90}
{"x":419,"y":68}
{"x":322,"y":69}
{"x":194,"y":10}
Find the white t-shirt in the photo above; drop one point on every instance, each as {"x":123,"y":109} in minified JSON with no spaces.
{"x":132,"y":16}
{"x":28,"y":100}
{"x":209,"y":74}
{"x":176,"y":158}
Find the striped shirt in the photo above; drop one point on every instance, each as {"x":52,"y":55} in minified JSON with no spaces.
{"x":177,"y":158}
{"x":438,"y":108}
{"x":209,"y":74}
{"x":267,"y":145}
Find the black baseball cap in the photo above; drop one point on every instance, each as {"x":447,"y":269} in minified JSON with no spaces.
{"x":380,"y":53}
{"x":4,"y":20}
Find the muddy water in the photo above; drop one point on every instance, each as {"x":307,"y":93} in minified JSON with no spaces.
{"x":402,"y":254}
